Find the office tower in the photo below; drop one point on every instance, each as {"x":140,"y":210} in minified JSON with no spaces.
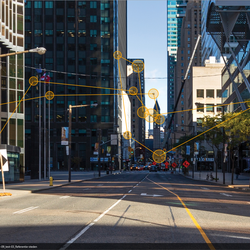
{"x":12,"y":85}
{"x":175,"y":12}
{"x":234,"y":42}
{"x":135,"y":79}
{"x":208,"y":46}
{"x":80,"y":38}
{"x":190,"y":32}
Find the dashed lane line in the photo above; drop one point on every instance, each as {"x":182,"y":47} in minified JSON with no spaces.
{"x":25,"y":210}
{"x":226,"y":194}
{"x":72,"y":240}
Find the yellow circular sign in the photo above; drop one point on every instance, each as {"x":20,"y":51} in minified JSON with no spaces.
{"x":159,"y":156}
{"x":33,"y":81}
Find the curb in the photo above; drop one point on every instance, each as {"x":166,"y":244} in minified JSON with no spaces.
{"x":226,"y":185}
{"x":65,"y":184}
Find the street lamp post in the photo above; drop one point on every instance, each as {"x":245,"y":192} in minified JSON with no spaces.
{"x":40,"y":51}
{"x":70,"y":115}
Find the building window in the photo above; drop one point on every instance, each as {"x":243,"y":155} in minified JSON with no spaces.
{"x":93,"y":46}
{"x":210,"y":108}
{"x":93,"y":19}
{"x":93,"y":118}
{"x":93,"y":61}
{"x":200,"y":107}
{"x":93,"y":5}
{"x":49,"y":5}
{"x":200,"y":93}
{"x":218,"y":93}
{"x":93,"y":33}
{"x":38,"y":4}
{"x":199,"y":122}
{"x":219,"y":109}
{"x":210,"y":93}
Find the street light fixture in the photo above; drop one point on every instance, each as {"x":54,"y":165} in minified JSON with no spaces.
{"x":70,"y":118}
{"x":39,"y":50}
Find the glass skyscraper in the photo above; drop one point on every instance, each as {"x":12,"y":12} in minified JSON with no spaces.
{"x":80,"y":38}
{"x":208,"y":46}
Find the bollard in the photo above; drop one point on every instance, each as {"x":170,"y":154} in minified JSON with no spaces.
{"x":51,"y":181}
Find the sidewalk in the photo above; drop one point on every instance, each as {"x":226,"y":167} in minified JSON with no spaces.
{"x":60,"y":178}
{"x":241,"y":183}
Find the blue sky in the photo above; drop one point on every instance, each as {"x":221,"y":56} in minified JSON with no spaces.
{"x":147,"y":39}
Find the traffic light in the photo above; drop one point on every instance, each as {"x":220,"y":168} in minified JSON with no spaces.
{"x":132,"y":152}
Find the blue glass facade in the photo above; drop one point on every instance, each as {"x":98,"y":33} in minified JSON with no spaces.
{"x":208,"y":46}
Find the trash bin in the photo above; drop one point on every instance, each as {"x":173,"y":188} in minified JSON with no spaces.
{"x":107,"y":172}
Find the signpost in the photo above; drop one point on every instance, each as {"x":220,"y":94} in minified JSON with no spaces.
{"x":4,"y":164}
{"x":166,"y":165}
{"x":174,"y":165}
{"x":186,"y":164}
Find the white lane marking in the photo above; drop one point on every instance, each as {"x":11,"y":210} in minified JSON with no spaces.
{"x":130,"y":191}
{"x":24,"y":210}
{"x":64,"y":197}
{"x":90,"y":225}
{"x":205,"y":188}
{"x":226,"y":194}
{"x":233,"y":236}
{"x":109,"y":209}
{"x":137,"y":184}
{"x":154,"y":195}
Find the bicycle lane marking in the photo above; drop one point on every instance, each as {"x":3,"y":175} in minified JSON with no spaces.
{"x":210,"y":245}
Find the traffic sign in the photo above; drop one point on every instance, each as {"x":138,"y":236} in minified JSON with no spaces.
{"x":186,"y":164}
{"x":166,"y":164}
{"x":174,"y":165}
{"x":154,"y":163}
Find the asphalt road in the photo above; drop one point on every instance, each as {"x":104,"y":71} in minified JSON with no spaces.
{"x":133,"y":210}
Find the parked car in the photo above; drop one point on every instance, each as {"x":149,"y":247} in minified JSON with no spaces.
{"x":153,"y":169}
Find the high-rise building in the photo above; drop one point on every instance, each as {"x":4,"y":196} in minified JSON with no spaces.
{"x":12,"y":85}
{"x":191,"y":28}
{"x":175,"y":12}
{"x":208,"y":46}
{"x":171,"y":87}
{"x":136,"y":79}
{"x":80,"y":38}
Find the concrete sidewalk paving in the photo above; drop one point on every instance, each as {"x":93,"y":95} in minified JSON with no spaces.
{"x":60,"y":178}
{"x":243,"y":181}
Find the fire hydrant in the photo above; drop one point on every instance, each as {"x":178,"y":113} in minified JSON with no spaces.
{"x":51,"y":181}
